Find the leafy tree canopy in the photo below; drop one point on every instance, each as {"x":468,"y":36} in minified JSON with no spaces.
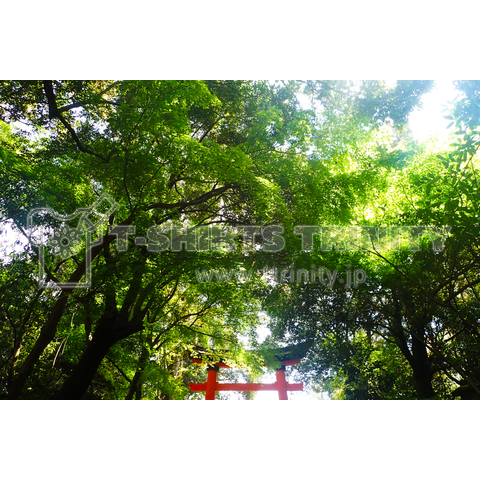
{"x":188,"y":255}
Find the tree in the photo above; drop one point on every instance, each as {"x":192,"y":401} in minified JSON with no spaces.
{"x":168,"y":151}
{"x":419,"y":300}
{"x":211,"y":156}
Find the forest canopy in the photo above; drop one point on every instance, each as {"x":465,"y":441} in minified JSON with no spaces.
{"x":146,"y":221}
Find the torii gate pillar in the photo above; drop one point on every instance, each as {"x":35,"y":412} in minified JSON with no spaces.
{"x":282,"y":384}
{"x":211,"y":383}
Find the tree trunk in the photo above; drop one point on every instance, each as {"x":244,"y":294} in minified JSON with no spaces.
{"x":133,"y":385}
{"x":47,"y":334}
{"x":422,"y":373}
{"x":418,"y":356}
{"x":80,"y":379}
{"x":108,"y":332}
{"x":138,"y":390}
{"x":49,"y":329}
{"x":136,"y":383}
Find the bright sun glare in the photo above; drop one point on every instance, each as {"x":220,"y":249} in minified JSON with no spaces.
{"x":430,"y":119}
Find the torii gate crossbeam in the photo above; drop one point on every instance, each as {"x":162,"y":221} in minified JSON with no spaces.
{"x":212,"y":386}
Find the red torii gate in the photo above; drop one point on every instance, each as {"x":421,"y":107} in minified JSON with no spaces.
{"x":287,"y":357}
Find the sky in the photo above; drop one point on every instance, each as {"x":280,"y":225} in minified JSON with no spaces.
{"x":429,"y":120}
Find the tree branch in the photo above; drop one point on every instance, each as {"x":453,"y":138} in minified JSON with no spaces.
{"x":55,"y":112}
{"x":100,"y":100}
{"x":124,"y":375}
{"x":197,"y":201}
{"x":438,"y":302}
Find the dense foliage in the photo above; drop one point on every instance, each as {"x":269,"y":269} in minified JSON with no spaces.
{"x":202,"y":190}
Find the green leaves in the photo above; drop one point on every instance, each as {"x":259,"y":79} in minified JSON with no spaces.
{"x":203,"y":153}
